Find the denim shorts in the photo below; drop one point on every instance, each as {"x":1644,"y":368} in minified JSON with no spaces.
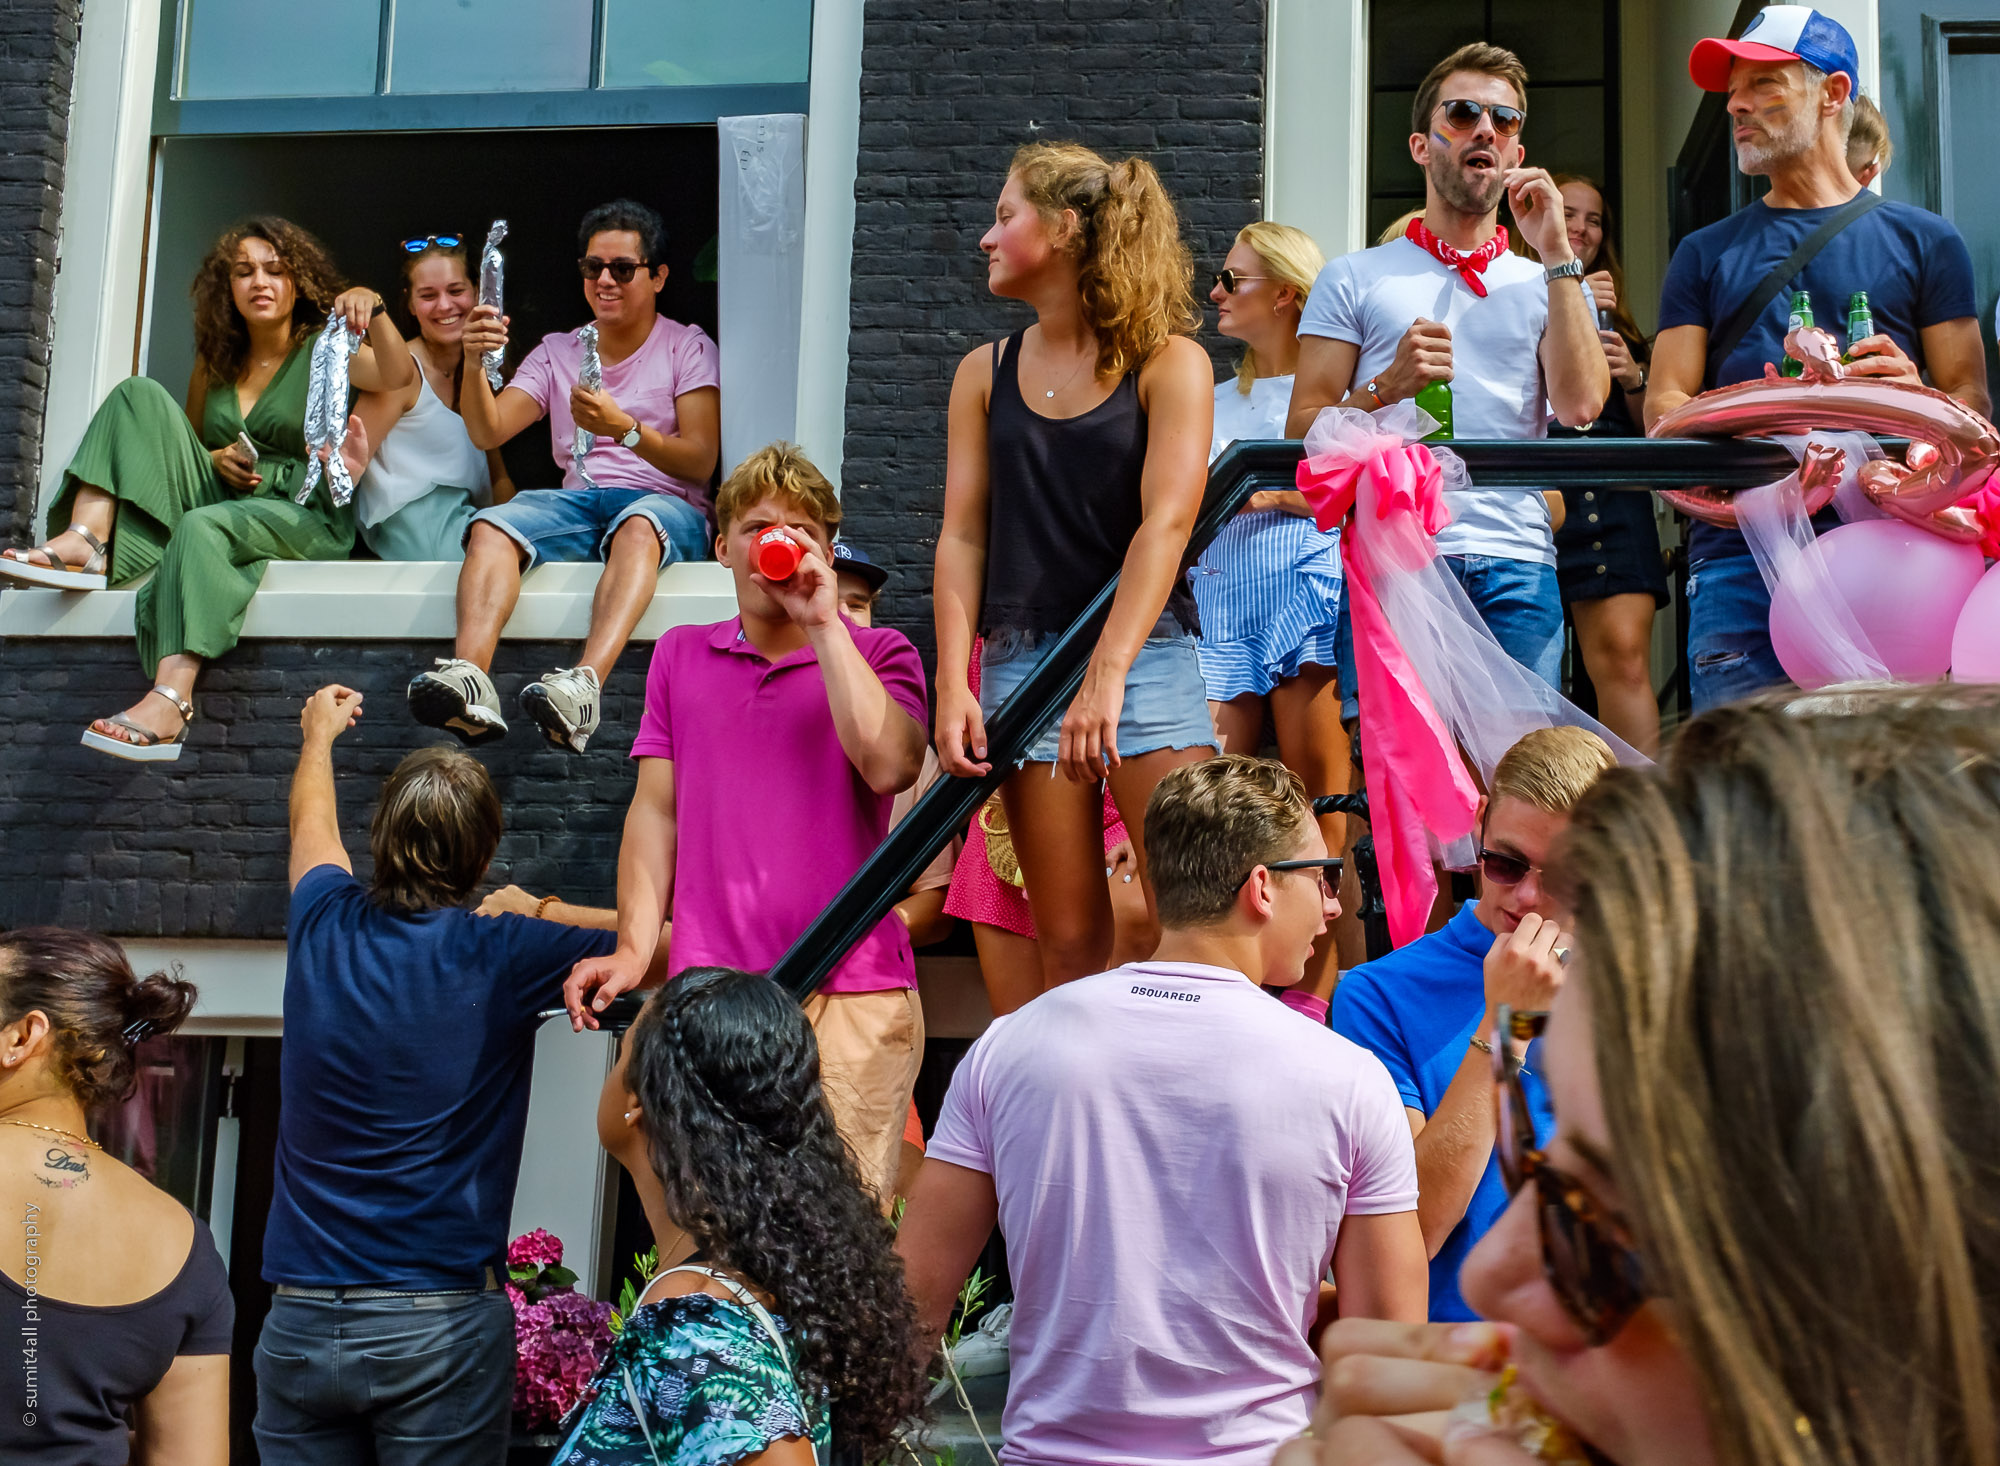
{"x":569,"y":525}
{"x":1166,"y":702}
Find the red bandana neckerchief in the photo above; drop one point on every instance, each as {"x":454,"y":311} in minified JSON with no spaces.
{"x":1468,"y":264}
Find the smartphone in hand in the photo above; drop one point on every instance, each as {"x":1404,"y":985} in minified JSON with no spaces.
{"x":249,"y":448}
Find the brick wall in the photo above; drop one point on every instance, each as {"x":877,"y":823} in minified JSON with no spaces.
{"x":198,"y":848}
{"x":949,"y":88}
{"x":37,"y":59}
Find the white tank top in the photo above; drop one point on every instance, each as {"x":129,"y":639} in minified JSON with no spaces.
{"x":427,"y":448}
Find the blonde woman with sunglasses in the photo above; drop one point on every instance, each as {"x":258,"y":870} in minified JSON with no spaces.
{"x":1764,"y":1230}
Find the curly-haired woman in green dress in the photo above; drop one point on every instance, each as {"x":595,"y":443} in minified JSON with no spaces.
{"x":789,"y":1332}
{"x":151,"y":489}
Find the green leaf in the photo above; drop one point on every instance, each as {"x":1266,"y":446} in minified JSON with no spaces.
{"x":558,"y":1276}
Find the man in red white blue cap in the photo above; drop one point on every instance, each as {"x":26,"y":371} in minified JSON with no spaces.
{"x":1791,"y":78}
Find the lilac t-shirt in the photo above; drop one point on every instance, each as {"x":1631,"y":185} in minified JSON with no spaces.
{"x":771,"y":819}
{"x":1173,"y":1152}
{"x":673,"y":359}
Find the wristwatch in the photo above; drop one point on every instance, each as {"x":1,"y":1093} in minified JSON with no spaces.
{"x":631,"y":439}
{"x":1571,"y":271}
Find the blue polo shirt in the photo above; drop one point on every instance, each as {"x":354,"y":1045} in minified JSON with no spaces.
{"x":1416,"y":1010}
{"x":403,"y":1086}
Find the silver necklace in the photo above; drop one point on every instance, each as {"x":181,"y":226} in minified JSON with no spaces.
{"x":1071,"y":378}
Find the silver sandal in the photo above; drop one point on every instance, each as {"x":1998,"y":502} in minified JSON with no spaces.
{"x":60,"y":574}
{"x":150,"y":747}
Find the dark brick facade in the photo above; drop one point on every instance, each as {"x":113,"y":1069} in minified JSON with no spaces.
{"x":198,"y":848}
{"x":37,"y":62}
{"x":949,"y":88}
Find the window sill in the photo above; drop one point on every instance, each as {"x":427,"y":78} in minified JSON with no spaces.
{"x":375,"y":600}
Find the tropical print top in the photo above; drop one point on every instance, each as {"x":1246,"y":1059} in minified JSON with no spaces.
{"x":702,"y":1378}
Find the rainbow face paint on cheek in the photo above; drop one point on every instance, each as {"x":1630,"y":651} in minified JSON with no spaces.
{"x":1440,"y":139}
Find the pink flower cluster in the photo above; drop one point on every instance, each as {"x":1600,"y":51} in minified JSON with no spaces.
{"x":558,"y":1337}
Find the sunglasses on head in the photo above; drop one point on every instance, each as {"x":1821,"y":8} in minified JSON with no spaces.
{"x":621,"y":270}
{"x":442,"y":241}
{"x":1327,"y":868}
{"x":1462,"y":114}
{"x":1229,"y":280}
{"x":1591,"y":1268}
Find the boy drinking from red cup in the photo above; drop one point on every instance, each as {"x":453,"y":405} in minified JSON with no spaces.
{"x":746,"y":857}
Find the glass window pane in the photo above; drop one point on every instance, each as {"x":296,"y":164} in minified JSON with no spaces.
{"x":1390,"y":168}
{"x":687,"y":43}
{"x":1406,"y":38}
{"x":490,"y":46}
{"x":1570,"y":51}
{"x":252,"y":48}
{"x":1565,"y":131}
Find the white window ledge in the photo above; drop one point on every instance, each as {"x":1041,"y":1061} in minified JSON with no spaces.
{"x":378,"y":600}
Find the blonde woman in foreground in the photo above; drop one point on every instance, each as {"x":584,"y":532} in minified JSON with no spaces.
{"x":1768,"y":1229}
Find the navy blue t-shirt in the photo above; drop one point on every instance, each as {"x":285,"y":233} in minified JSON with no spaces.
{"x":1912,"y":263}
{"x":1417,"y":1010}
{"x":409,"y":1047}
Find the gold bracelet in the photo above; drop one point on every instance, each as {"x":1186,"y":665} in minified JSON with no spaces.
{"x":542,"y":906}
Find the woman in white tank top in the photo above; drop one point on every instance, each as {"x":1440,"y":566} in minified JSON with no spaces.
{"x":425,"y":478}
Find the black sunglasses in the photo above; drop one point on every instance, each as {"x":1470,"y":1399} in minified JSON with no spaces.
{"x":1328,"y":870}
{"x":1462,"y":114}
{"x":1229,"y":280}
{"x":621,"y":270}
{"x":1589,"y":1263}
{"x":442,"y":241}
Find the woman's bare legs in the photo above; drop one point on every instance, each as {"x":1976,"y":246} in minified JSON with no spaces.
{"x":94,"y":510}
{"x":1305,"y":711}
{"x":1011,"y":966}
{"x":1058,"y":832}
{"x":1616,"y":638}
{"x":1131,"y":786}
{"x":1239,"y":723}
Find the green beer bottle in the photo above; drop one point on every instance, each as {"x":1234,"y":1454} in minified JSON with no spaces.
{"x":1860,"y":322}
{"x":1802,"y":316}
{"x":1435,"y":399}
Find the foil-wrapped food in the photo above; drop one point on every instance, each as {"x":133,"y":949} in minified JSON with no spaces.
{"x":326,"y":411}
{"x":590,"y":374}
{"x":1511,"y":1411}
{"x":491,"y":270}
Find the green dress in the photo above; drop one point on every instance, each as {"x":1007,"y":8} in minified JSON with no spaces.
{"x":206,"y":542}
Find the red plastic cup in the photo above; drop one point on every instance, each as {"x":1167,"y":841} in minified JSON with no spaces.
{"x":778,"y":555}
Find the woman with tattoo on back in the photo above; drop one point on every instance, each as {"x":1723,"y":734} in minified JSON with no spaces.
{"x":112,"y":1297}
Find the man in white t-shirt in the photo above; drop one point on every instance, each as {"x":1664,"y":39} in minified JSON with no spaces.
{"x":1175,"y":1158}
{"x":1447,"y":302}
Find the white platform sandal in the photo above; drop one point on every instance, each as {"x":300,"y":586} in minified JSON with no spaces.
{"x":149,"y":747}
{"x":59,"y":574}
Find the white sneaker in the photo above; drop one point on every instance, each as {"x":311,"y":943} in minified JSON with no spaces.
{"x":984,"y":1350}
{"x":564,"y":705}
{"x":457,"y":696}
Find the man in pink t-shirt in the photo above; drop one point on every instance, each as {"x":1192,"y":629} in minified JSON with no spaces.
{"x":637,"y":499}
{"x":1175,"y":1158}
{"x":771,"y":750}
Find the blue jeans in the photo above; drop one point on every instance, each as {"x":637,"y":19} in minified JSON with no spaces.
{"x":1729,"y":632}
{"x":418,"y":1380}
{"x":577,"y":524}
{"x":1521,"y":603}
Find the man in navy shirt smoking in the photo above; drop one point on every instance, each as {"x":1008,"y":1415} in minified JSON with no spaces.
{"x":1791,"y":79}
{"x":409,"y":1045}
{"x":1427,"y":1010}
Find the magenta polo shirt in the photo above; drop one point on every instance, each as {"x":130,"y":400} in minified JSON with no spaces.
{"x":770,"y":817}
{"x":673,"y":359}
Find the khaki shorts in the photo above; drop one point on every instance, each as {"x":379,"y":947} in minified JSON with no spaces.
{"x":870,"y":1047}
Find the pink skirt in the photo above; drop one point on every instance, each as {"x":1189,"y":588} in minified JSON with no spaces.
{"x":980,"y":896}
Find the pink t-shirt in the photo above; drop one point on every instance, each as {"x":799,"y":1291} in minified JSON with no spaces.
{"x":771,"y":819}
{"x":1173,"y":1151}
{"x":673,"y":359}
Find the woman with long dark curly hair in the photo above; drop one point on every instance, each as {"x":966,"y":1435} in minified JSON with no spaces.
{"x":790,"y":1331}
{"x":207,"y":499}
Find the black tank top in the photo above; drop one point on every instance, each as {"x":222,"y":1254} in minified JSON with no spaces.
{"x":1062,"y":505}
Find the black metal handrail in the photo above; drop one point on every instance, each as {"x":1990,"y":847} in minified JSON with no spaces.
{"x":1631,"y":464}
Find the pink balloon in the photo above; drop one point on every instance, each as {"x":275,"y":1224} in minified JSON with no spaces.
{"x":1905,"y":586}
{"x":1975,"y":645}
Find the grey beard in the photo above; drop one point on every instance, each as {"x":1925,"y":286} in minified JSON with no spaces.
{"x":1795,"y":141}
{"x":1455,"y":187}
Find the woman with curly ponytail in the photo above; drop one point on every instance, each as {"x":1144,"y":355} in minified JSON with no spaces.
{"x":1078,"y":451}
{"x":121,"y":1299}
{"x":788,"y":1333}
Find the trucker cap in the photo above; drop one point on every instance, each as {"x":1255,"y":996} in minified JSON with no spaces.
{"x":1778,"y":33}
